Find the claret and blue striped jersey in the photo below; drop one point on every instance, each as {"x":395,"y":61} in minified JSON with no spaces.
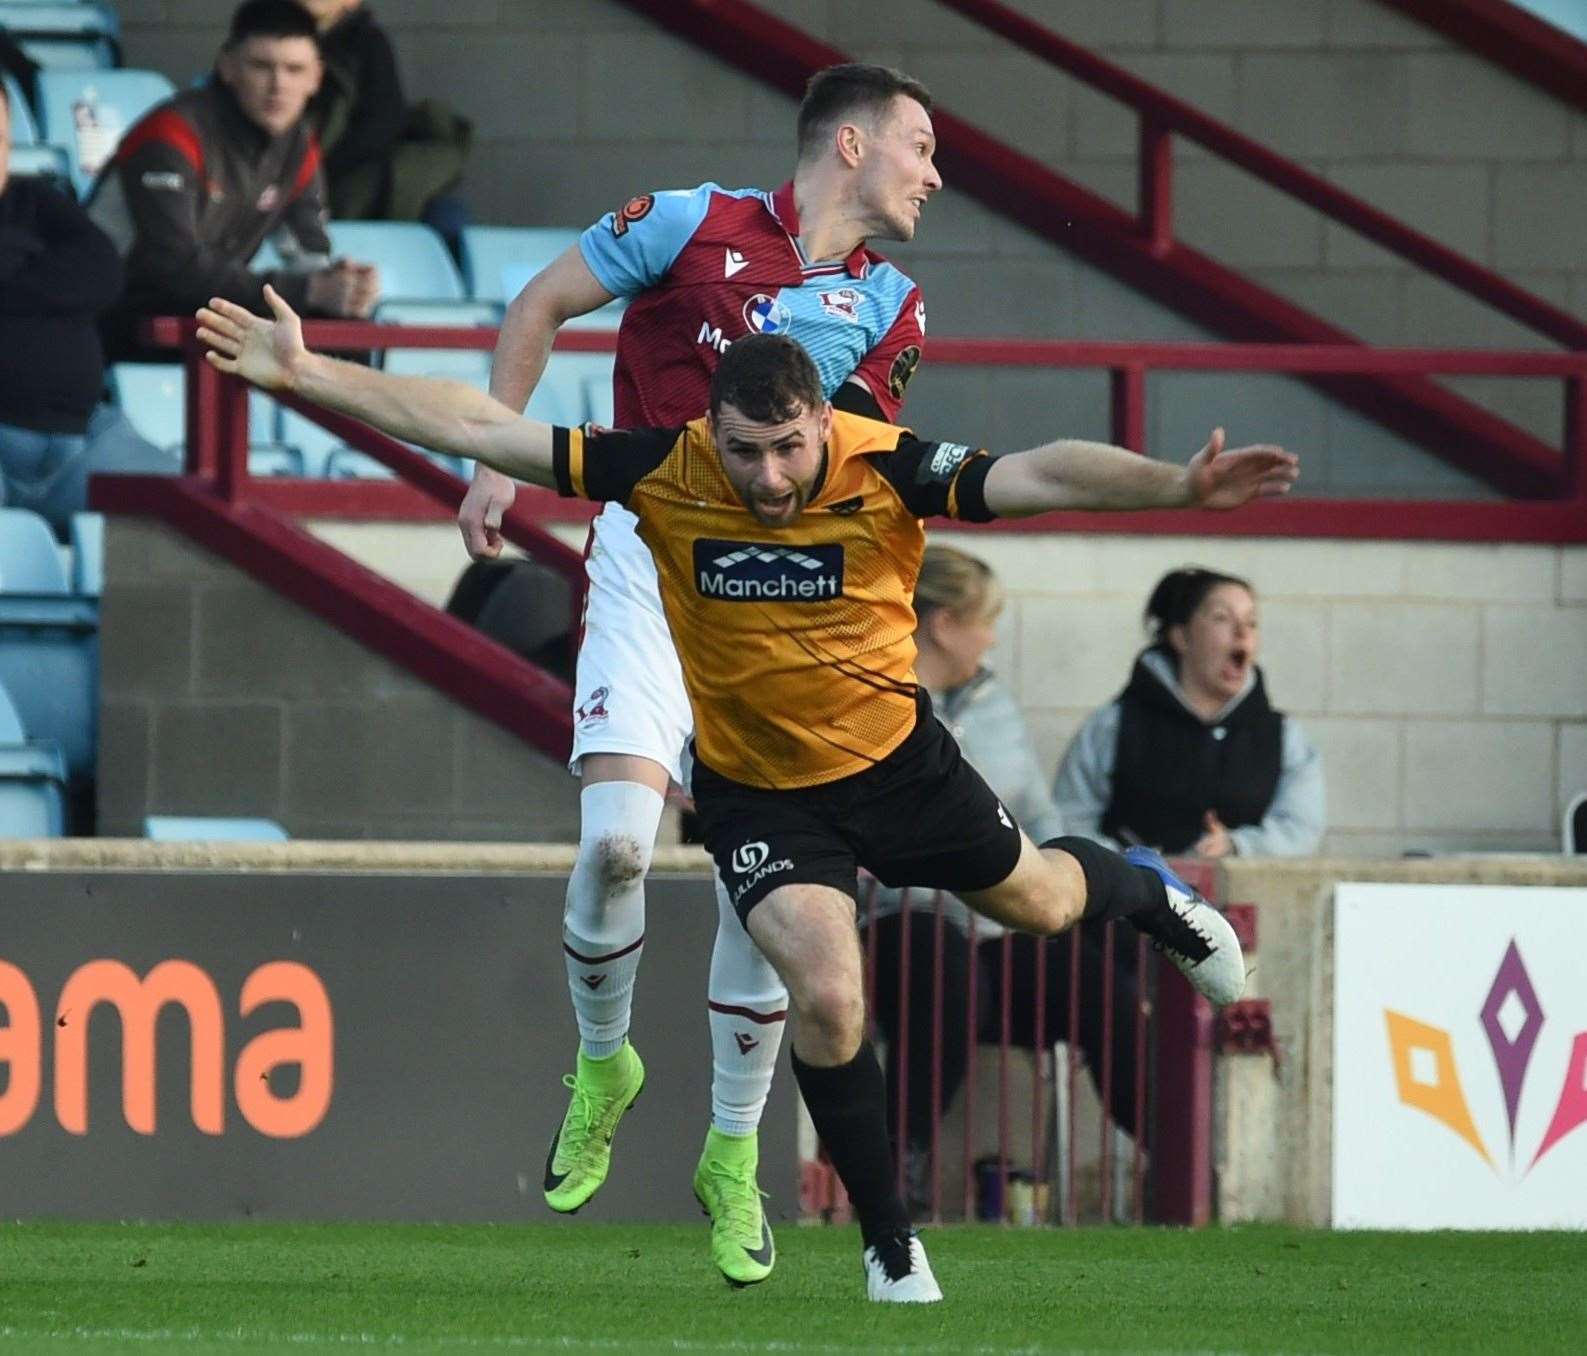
{"x":708,"y":265}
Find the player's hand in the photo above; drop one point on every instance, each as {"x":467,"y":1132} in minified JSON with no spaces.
{"x":479,"y":519}
{"x":1215,"y":842}
{"x":1224,"y":480}
{"x":265,"y":352}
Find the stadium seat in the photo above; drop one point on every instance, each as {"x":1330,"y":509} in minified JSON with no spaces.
{"x":30,"y":562}
{"x":64,"y":36}
{"x":89,"y":111}
{"x":32,"y":792}
{"x":42,"y":162}
{"x":499,"y":260}
{"x":1574,"y":830}
{"x":201,"y":829}
{"x":24,"y":128}
{"x":49,"y":662}
{"x":348,"y":463}
{"x":460,"y":364}
{"x":32,"y":780}
{"x":413,"y":260}
{"x":88,"y":554}
{"x":153,"y":397}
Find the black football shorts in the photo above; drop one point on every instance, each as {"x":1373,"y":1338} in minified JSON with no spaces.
{"x":922,"y":816}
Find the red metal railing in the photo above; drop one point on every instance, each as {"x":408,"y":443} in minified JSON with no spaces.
{"x":1509,"y":36}
{"x":217,"y":441}
{"x":1163,"y":117}
{"x":1042,"y":200}
{"x":250,"y":521}
{"x":1169,"y":1031}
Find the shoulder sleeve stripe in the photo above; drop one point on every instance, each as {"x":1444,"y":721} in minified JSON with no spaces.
{"x":167,"y":127}
{"x":309,"y":167}
{"x":567,"y":461}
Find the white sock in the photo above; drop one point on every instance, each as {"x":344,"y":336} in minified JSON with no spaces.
{"x":748,"y":1010}
{"x":603,"y":925}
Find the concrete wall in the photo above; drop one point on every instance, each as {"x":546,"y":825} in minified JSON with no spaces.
{"x":579,"y":105}
{"x":219,"y":697}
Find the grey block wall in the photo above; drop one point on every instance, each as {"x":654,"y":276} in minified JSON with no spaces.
{"x":220,"y":697}
{"x":580,"y":104}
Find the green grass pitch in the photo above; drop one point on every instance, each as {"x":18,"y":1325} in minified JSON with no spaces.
{"x":577,"y":1287}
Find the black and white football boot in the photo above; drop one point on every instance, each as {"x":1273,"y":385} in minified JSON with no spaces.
{"x":896,"y":1270}
{"x":1192,"y":934}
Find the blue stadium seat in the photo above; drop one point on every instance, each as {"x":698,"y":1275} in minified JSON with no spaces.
{"x":32,"y":780}
{"x":64,"y":36}
{"x":276,"y":460}
{"x":88,"y":554}
{"x":42,"y":162}
{"x":49,"y":662}
{"x":461,"y":364}
{"x":499,"y":260}
{"x":32,"y":792}
{"x":348,"y":463}
{"x":201,"y":829}
{"x":24,"y":128}
{"x":313,"y":444}
{"x":30,"y":561}
{"x":413,"y":260}
{"x":152,"y":396}
{"x":89,"y":111}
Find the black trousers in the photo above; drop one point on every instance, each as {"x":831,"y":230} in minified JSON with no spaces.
{"x":1021,"y":990}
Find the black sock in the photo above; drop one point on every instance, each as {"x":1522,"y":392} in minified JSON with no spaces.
{"x":1115,"y":888}
{"x":848,"y":1105}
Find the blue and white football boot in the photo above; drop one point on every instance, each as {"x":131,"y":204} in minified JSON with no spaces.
{"x":1192,"y":934}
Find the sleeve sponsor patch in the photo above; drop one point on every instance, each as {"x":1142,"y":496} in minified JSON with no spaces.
{"x":635,"y":209}
{"x":903,"y":369}
{"x":165,"y":181}
{"x":943,"y":463}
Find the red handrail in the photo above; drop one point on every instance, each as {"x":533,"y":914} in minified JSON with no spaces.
{"x":1507,"y":35}
{"x":1163,"y":116}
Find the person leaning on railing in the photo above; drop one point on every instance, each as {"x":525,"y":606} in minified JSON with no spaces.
{"x":957,"y":603}
{"x":1191,"y":757}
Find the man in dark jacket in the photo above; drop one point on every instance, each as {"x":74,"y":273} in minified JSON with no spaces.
{"x":199,"y":184}
{"x":57,"y":273}
{"x":359,"y":111}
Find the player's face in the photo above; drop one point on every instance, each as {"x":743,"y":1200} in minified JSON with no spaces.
{"x":5,"y":144}
{"x":773,"y":466}
{"x":273,"y":79}
{"x":897,"y":174}
{"x":1218,"y":646}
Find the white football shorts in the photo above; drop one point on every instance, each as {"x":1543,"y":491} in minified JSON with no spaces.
{"x":628,"y":694}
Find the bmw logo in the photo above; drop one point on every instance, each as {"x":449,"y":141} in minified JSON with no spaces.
{"x":766,"y":315}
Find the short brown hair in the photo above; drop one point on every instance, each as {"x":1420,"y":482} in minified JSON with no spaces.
{"x":767,"y":378}
{"x":838,"y":91}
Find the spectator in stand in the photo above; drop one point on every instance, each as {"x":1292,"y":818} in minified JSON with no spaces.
{"x":383,"y":160}
{"x":957,"y":603}
{"x":1191,"y":758}
{"x":198,"y":185}
{"x":57,"y":273}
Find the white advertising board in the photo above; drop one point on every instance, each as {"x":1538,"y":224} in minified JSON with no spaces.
{"x":1460,"y":1057}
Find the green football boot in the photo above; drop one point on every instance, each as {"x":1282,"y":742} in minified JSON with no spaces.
{"x":724,"y":1184}
{"x":581,"y":1152}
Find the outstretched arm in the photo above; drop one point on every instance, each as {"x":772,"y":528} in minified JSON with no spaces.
{"x":1079,"y":475}
{"x":448,"y":416}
